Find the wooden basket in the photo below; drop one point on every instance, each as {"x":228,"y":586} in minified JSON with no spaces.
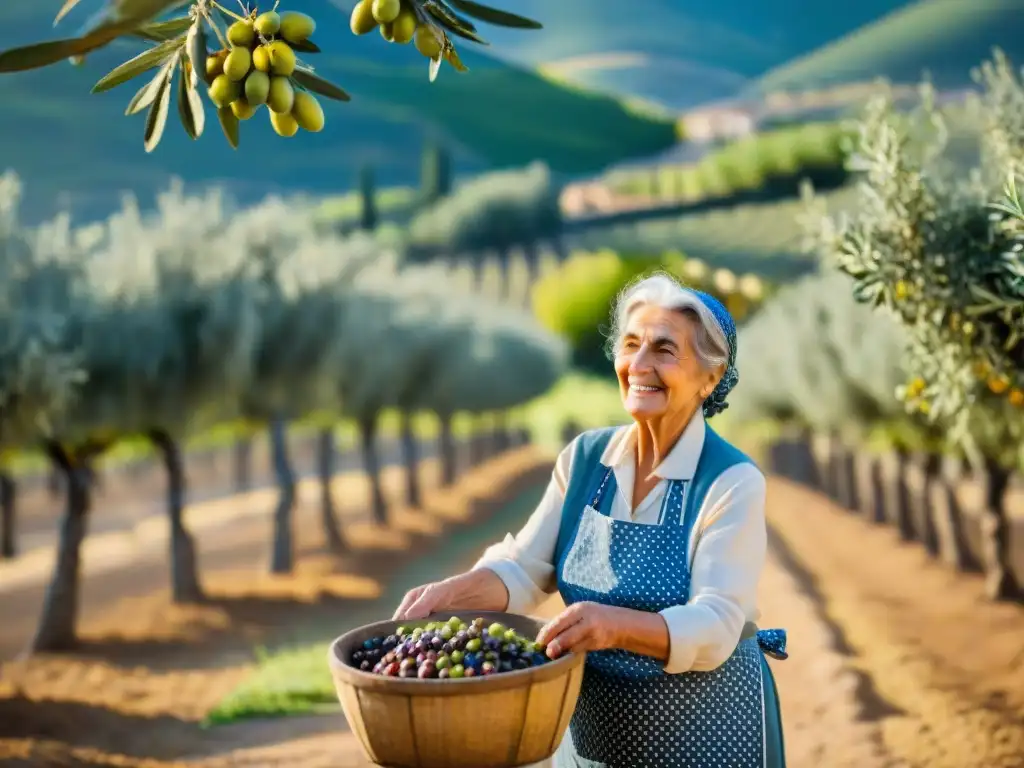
{"x":510,"y":719}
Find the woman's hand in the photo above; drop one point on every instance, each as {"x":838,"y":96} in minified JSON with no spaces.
{"x":477,"y":590}
{"x":582,"y":627}
{"x":586,"y":627}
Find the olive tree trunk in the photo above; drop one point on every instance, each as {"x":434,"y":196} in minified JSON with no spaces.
{"x":411,"y":461}
{"x":371,"y":465}
{"x":532,"y":258}
{"x":1000,"y":583}
{"x":8,"y":510}
{"x":326,"y":463}
{"x":446,"y":445}
{"x":56,"y":630}
{"x":185,"y":585}
{"x":505,"y":279}
{"x":502,"y":439}
{"x":242,"y":457}
{"x":282,"y":558}
{"x":54,"y":481}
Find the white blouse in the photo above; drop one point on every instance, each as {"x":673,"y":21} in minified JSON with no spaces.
{"x":727,"y":547}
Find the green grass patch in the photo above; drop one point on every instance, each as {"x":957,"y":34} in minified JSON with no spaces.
{"x":294,"y":678}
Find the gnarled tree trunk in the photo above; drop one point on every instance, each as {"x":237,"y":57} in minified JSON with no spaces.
{"x":1000,"y":583}
{"x":326,"y":461}
{"x":282,"y":558}
{"x":446,"y":445}
{"x":8,"y":509}
{"x":56,"y":630}
{"x":185,"y":585}
{"x":371,"y":465}
{"x":411,"y":460}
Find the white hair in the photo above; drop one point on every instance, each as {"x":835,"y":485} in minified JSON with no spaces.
{"x":662,"y":290}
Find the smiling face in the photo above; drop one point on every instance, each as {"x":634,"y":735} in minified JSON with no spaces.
{"x":659,"y":372}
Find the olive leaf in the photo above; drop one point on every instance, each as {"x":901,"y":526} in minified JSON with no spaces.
{"x":144,"y":62}
{"x":435,"y":67}
{"x":312,"y":82}
{"x":494,"y":16}
{"x":65,"y":10}
{"x":159,"y":31}
{"x":156,"y":119}
{"x":144,"y":97}
{"x":441,"y":10}
{"x":190,"y":106}
{"x":453,"y":22}
{"x":140,"y":11}
{"x":195,"y":47}
{"x":229,"y":124}
{"x":452,"y":57}
{"x":44,"y":54}
{"x":305,"y":46}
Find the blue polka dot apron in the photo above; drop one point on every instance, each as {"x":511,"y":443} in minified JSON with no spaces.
{"x":631,"y":713}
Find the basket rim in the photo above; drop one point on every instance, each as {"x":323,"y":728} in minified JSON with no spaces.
{"x":413,"y":686}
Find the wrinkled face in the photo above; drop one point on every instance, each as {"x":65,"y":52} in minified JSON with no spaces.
{"x":659,"y":372}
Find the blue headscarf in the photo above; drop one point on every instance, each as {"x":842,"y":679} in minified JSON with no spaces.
{"x":715,"y":402}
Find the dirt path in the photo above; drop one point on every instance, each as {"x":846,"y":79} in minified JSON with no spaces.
{"x":894,"y":663}
{"x":938,"y":671}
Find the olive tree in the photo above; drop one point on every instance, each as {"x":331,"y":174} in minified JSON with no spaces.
{"x":495,"y":357}
{"x":494,"y":212}
{"x":389,"y":352}
{"x":304,"y":281}
{"x":40,"y":364}
{"x":941,"y":252}
{"x":194,"y":322}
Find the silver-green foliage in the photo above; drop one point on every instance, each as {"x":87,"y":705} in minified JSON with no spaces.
{"x":40,"y":361}
{"x":425,"y":347}
{"x":201,"y":313}
{"x":815,"y":357}
{"x":494,"y":210}
{"x":941,"y":252}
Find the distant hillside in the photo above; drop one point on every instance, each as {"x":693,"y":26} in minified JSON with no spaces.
{"x":946,"y":38}
{"x":679,"y":53}
{"x":63,"y":139}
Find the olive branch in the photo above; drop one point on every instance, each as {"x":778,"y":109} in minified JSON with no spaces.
{"x":182,"y":59}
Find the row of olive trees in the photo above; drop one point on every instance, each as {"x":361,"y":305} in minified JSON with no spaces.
{"x":491,"y":214}
{"x":166,"y":325}
{"x":940,"y":251}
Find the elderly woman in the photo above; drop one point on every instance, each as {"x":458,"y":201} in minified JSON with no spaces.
{"x":654,"y":534}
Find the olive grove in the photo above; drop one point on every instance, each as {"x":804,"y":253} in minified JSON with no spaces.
{"x":167,"y":324}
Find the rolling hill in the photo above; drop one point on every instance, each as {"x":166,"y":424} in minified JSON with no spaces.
{"x":77,"y":149}
{"x":673,"y":52}
{"x":946,"y":38}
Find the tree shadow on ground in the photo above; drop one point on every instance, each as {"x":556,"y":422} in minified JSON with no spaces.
{"x":66,"y":734}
